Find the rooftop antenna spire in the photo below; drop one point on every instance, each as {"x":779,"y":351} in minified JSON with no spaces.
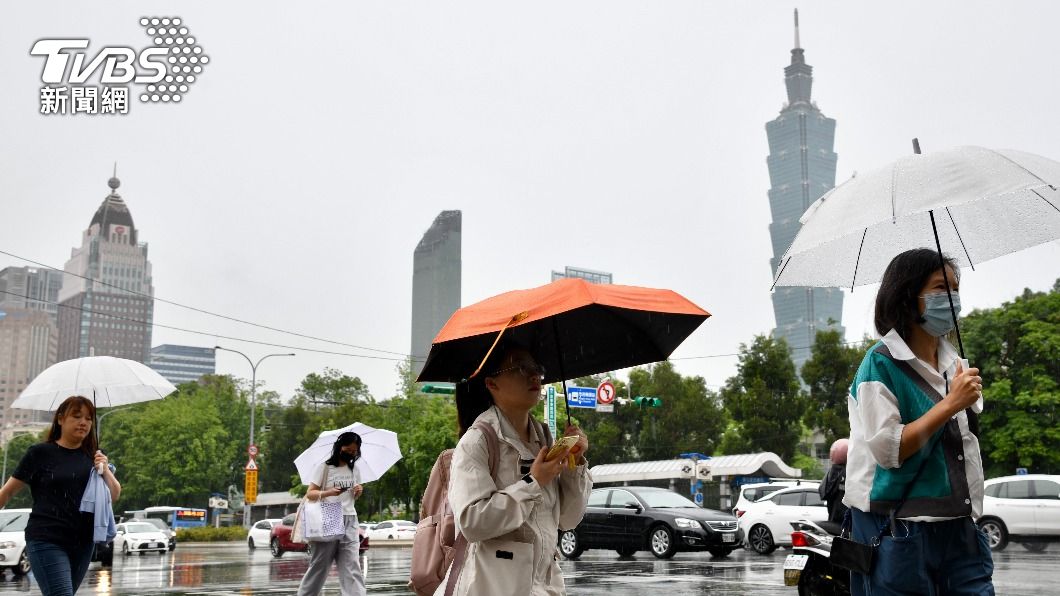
{"x":797,"y":45}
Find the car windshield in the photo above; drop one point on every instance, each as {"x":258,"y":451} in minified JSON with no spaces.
{"x":157,"y":523}
{"x":140,"y":528}
{"x":405,"y":523}
{"x":664,"y":499}
{"x":13,"y":522}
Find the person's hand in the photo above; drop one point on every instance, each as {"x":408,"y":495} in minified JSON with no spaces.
{"x":581,"y":446}
{"x":100,"y":462}
{"x":332,"y":492}
{"x":544,"y":472}
{"x":965,"y":389}
{"x":357,"y":490}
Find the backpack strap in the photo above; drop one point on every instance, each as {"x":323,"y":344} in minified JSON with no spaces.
{"x":493,"y":447}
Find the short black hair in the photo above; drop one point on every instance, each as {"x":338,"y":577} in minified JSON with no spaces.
{"x":897,"y":305}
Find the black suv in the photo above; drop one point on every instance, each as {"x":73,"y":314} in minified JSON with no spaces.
{"x":628,"y":519}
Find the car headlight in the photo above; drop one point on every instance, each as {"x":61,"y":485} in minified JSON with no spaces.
{"x":684,"y":522}
{"x":8,"y":544}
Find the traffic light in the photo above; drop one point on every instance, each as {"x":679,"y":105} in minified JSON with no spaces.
{"x":647,"y":402}
{"x":444,"y":388}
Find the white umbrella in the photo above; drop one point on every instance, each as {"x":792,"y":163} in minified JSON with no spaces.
{"x":379,"y":451}
{"x":983,"y":203}
{"x":107,"y":380}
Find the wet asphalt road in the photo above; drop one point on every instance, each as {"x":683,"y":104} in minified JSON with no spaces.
{"x":200,"y":569}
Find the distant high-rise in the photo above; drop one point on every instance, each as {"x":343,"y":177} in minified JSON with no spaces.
{"x":595,"y":277}
{"x":801,"y":169}
{"x":435,"y":283}
{"x":27,"y":347}
{"x":110,"y":315}
{"x":182,"y":364}
{"x":31,"y":288}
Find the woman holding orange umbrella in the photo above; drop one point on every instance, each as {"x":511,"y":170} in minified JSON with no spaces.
{"x":511,"y":517}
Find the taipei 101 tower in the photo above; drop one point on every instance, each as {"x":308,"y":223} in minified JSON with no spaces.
{"x":801,"y":169}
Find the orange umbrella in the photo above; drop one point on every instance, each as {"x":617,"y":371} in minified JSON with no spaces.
{"x":572,"y":327}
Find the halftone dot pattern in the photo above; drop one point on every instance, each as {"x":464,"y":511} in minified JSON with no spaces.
{"x":184,"y":56}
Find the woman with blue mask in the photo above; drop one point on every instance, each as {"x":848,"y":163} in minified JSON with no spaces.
{"x":914,"y":472}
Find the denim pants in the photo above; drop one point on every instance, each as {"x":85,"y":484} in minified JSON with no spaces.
{"x":944,"y":558}
{"x":58,"y":570}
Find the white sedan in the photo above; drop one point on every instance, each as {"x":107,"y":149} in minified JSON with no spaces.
{"x":140,"y":537}
{"x":13,"y":540}
{"x":260,"y":533}
{"x":393,"y":529}
{"x":767,"y":522}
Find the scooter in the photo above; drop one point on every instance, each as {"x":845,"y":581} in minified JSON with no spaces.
{"x":809,"y":566}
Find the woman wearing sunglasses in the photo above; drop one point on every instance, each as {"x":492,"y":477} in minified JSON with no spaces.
{"x":511,"y":517}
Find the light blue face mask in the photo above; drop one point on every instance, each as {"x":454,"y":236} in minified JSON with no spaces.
{"x":938,"y":320}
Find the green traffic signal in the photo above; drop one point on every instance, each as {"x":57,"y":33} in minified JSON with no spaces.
{"x":647,"y":402}
{"x":445,"y":389}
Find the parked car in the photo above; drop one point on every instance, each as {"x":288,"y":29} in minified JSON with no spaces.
{"x":261,"y":533}
{"x":393,"y":529}
{"x":139,"y":537}
{"x":749,"y":493}
{"x":280,"y":539}
{"x":628,"y":519}
{"x":767,"y":521}
{"x":171,"y":536}
{"x":13,"y":540}
{"x":1024,"y":509}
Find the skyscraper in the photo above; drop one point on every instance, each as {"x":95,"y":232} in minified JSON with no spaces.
{"x":435,"y":283}
{"x":27,"y":347}
{"x":111,"y":314}
{"x":182,"y":364}
{"x":31,"y":288}
{"x":28,"y":335}
{"x":801,"y":169}
{"x":589,"y":275}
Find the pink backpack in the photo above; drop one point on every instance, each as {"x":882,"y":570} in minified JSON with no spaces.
{"x":436,"y":546}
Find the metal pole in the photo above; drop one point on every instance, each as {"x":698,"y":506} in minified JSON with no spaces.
{"x":253,"y":407}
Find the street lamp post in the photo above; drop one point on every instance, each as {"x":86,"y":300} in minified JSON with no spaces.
{"x":99,"y":420}
{"x":253,"y":406}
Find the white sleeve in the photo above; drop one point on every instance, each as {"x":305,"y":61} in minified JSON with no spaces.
{"x":881,"y":422}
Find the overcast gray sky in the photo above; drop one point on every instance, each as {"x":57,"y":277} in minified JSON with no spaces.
{"x":292,"y":184}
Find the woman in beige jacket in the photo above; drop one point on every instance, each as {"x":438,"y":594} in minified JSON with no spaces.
{"x":511,"y":518}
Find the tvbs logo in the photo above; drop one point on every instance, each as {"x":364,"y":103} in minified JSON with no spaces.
{"x":119,"y":63}
{"x":165,"y":70}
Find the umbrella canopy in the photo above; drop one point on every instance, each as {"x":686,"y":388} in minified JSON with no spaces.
{"x":572,"y":327}
{"x":107,"y":380}
{"x":986,"y":203}
{"x":379,"y":451}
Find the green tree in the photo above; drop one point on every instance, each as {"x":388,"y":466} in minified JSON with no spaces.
{"x":828,"y":374}
{"x":764,"y":400}
{"x":15,"y":449}
{"x":1017,"y":349}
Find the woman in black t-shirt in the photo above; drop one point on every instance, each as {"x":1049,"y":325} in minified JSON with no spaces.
{"x":59,"y":535}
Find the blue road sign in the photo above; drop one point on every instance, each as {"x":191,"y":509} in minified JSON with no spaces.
{"x":699,"y":499}
{"x":581,"y":397}
{"x":1021,"y":471}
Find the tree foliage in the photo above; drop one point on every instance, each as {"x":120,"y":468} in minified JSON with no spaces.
{"x":764,"y":400}
{"x":828,"y":374}
{"x":1017,"y":349}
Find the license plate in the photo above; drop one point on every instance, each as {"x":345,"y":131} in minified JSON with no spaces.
{"x":729,"y":537}
{"x":797,"y":562}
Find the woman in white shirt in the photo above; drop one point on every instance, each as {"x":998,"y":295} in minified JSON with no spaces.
{"x":914,"y":473}
{"x":342,"y":484}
